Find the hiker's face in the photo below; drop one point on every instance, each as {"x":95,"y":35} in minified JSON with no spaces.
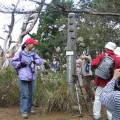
{"x":82,"y":57}
{"x":31,"y":46}
{"x":54,"y":59}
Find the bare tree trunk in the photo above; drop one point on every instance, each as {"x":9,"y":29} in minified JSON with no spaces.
{"x":30,"y":20}
{"x":10,"y":29}
{"x":28,"y":24}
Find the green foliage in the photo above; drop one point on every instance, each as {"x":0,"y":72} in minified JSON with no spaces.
{"x":48,"y":32}
{"x":96,"y":30}
{"x":109,"y":6}
{"x":9,"y":88}
{"x":51,"y":92}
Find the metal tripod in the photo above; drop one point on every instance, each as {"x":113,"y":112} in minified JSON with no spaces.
{"x":75,"y":80}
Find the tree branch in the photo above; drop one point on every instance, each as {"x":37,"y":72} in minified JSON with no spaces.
{"x":94,"y":13}
{"x":20,"y":11}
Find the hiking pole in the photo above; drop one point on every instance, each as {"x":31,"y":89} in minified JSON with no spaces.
{"x":77,"y":95}
{"x":82,"y":93}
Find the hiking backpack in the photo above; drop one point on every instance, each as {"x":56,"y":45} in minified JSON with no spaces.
{"x":104,"y":69}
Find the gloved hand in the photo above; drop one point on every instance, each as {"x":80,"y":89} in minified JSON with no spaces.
{"x":22,"y":65}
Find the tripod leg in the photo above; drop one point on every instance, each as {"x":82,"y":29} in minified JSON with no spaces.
{"x":82,"y":94}
{"x":78,"y":101}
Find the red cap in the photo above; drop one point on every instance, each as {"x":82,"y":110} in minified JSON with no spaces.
{"x":31,"y":40}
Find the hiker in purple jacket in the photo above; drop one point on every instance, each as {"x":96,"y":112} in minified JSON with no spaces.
{"x":24,"y":62}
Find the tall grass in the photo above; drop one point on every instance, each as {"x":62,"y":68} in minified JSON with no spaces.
{"x":9,"y":88}
{"x":50,"y":90}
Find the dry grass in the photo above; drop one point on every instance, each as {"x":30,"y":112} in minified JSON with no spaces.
{"x":50,"y":91}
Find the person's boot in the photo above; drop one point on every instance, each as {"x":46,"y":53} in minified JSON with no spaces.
{"x":25,"y":115}
{"x":32,"y":110}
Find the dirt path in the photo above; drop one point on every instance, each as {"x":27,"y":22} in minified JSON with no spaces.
{"x":13,"y":114}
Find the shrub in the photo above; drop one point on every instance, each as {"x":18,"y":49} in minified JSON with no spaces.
{"x":50,"y":91}
{"x":9,"y":87}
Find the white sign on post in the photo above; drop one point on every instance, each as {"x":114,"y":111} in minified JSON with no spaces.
{"x":69,"y":52}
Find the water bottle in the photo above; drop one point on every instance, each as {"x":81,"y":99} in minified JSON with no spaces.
{"x":87,"y":68}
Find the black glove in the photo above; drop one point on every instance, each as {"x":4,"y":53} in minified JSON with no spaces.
{"x":22,"y":65}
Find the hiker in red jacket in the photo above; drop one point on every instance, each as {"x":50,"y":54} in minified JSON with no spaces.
{"x":101,"y":83}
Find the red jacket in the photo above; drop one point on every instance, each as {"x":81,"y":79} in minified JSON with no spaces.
{"x":95,"y":62}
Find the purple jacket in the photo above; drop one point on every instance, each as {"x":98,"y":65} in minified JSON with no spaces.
{"x":27,"y":73}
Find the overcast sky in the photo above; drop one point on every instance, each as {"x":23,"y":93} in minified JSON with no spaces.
{"x":6,"y":19}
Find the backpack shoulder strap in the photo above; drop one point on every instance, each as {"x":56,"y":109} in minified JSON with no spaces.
{"x":109,"y":56}
{"x":34,"y":56}
{"x":20,"y":55}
